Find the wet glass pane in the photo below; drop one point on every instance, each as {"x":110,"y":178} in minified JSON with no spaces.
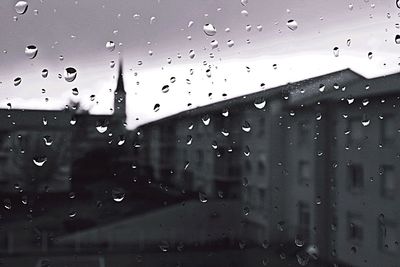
{"x":199,"y":133}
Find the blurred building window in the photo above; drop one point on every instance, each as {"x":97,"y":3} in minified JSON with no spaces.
{"x":356,"y":130}
{"x":261,"y":168}
{"x":303,"y":132}
{"x":261,"y":126}
{"x":388,"y":236}
{"x":304,"y":219}
{"x":304,"y":172}
{"x":388,"y":128}
{"x":388,"y":182}
{"x":355,"y":178}
{"x":355,"y":231}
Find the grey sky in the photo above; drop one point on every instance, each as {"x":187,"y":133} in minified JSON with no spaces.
{"x":79,"y":30}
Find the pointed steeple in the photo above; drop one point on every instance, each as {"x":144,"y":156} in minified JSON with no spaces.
{"x":120,"y":95}
{"x":120,"y":84}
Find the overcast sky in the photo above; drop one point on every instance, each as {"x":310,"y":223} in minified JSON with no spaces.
{"x":79,"y":30}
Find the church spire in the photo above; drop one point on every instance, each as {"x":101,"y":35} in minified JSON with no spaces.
{"x":120,"y":84}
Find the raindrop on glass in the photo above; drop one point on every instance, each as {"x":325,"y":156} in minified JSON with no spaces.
{"x":260,"y":103}
{"x":230,"y":43}
{"x":21,"y":7}
{"x":191,"y":54}
{"x":370,"y":55}
{"x":17,"y":81}
{"x":165,"y":88}
{"x":202,"y":197}
{"x":156,"y":107}
{"x":45,"y":72}
{"x":39,"y":161}
{"x":209,"y":29}
{"x":397,"y":39}
{"x":214,"y":44}
{"x":246,"y":127}
{"x":336,"y":51}
{"x":206,"y":119}
{"x":292,"y":24}
{"x":70,"y":74}
{"x":118,"y":194}
{"x":110,"y":46}
{"x":31,"y":51}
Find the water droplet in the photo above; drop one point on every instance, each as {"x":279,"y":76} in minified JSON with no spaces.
{"x":299,"y":242}
{"x":118,"y":194}
{"x":165,"y":88}
{"x":397,"y":39}
{"x":191,"y":54}
{"x":351,"y":6}
{"x":244,"y":2}
{"x":203,"y":197}
{"x":17,"y":81}
{"x":189,"y":140}
{"x":112,"y":64}
{"x":164,"y":246}
{"x":398,"y":3}
{"x":72,"y":214}
{"x":206,"y":119}
{"x":336,"y":51}
{"x":230,"y":43}
{"x":365,"y":122}
{"x":31,"y":51}
{"x":7,"y":203}
{"x":75,"y":91}
{"x":225,"y":112}
{"x":48,"y":141}
{"x":44,"y":121}
{"x":246,"y":211}
{"x":209,"y":29}
{"x":73,"y":120}
{"x":246,"y":127}
{"x":214,"y":44}
{"x":259,"y":27}
{"x":292,"y":24}
{"x":39,"y":161}
{"x":45,"y":72}
{"x":246,"y":151}
{"x":21,"y":7}
{"x":24,"y":200}
{"x":172,"y":79}
{"x":244,"y":13}
{"x":348,"y":42}
{"x":101,"y":127}
{"x":321,"y":88}
{"x":260,"y":103}
{"x":110,"y":46}
{"x":248,"y":27}
{"x":190,"y":24}
{"x":370,"y":55}
{"x":70,"y":74}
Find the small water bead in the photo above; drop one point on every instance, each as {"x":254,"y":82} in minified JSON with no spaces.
{"x":370,"y":54}
{"x":70,"y":74}
{"x":172,"y":79}
{"x":190,"y":24}
{"x":7,"y":204}
{"x":191,"y":54}
{"x":248,"y":27}
{"x":321,"y":88}
{"x":336,"y":51}
{"x":156,"y":107}
{"x":206,"y":120}
{"x":214,"y":44}
{"x":31,"y":51}
{"x":225,"y":113}
{"x":259,"y":27}
{"x":292,"y":25}
{"x":230,"y":43}
{"x":244,"y":2}
{"x":75,"y":91}
{"x":397,"y":39}
{"x":165,"y":88}
{"x":17,"y":81}
{"x":21,"y":7}
{"x":39,"y":161}
{"x":246,"y":127}
{"x":110,"y":46}
{"x":112,"y":64}
{"x":189,"y":140}
{"x":45,"y":73}
{"x":209,"y":29}
{"x":118,"y":194}
{"x":260,"y":103}
{"x":244,"y":13}
{"x":48,"y":141}
{"x":203,"y":197}
{"x":365,"y":122}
